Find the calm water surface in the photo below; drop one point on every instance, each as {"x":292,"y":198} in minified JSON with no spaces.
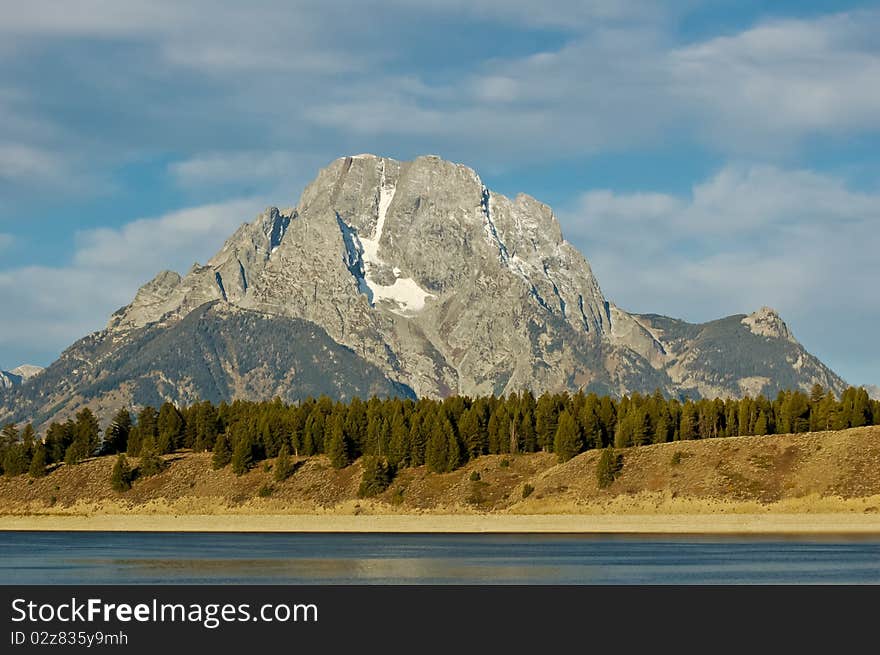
{"x":124,"y":558}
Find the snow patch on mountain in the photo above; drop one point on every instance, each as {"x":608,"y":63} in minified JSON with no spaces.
{"x":405,"y":294}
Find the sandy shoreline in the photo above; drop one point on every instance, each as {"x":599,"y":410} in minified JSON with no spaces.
{"x":815,"y":524}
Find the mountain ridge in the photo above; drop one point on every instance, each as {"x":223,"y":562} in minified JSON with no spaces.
{"x":446,"y":287}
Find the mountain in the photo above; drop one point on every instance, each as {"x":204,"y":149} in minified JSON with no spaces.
{"x":413,"y":278}
{"x":17,"y":376}
{"x":873,"y":391}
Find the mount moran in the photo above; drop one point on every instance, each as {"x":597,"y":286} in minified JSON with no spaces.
{"x":401,"y":278}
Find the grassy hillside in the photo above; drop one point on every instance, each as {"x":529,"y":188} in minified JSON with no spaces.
{"x":822,"y":471}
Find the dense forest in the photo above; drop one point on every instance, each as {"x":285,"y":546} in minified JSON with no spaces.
{"x":394,"y":433}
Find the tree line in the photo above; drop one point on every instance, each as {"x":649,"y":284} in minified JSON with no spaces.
{"x":443,"y":434}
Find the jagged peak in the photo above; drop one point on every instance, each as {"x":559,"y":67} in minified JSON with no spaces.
{"x":27,"y":371}
{"x":767,"y":322}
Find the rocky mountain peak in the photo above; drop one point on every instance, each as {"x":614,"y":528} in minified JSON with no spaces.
{"x":767,"y":322}
{"x":19,"y":375}
{"x":448,"y":287}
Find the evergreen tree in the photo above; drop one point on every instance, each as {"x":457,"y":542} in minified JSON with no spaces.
{"x":688,"y":427}
{"x":222,"y":452}
{"x":437,"y":452}
{"x":169,"y":427}
{"x":376,"y":477}
{"x":567,"y":441}
{"x":607,"y":467}
{"x":545,"y":421}
{"x":16,"y":460}
{"x":761,"y":424}
{"x":398,"y":449}
{"x":861,"y":409}
{"x":87,"y":433}
{"x":472,"y":433}
{"x":59,"y":436}
{"x":116,"y":434}
{"x":242,"y":456}
{"x":313,"y":435}
{"x":527,"y":432}
{"x":337,"y":448}
{"x":38,"y":463}
{"x":207,"y":426}
{"x":283,"y":466}
{"x":121,"y":476}
{"x":147,"y":428}
{"x":419,"y":431}
{"x":150,"y":463}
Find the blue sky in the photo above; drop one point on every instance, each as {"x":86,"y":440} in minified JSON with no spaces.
{"x":707,"y":157}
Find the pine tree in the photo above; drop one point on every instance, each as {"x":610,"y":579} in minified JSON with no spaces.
{"x":688,"y":428}
{"x":222,"y":452}
{"x":337,"y":448}
{"x":527,"y":431}
{"x":761,"y":424}
{"x":87,"y":432}
{"x":545,"y":421}
{"x":58,"y":437}
{"x":121,"y":477}
{"x":37,"y":467}
{"x":242,"y":456}
{"x":607,"y":467}
{"x":472,"y":433}
{"x":206,"y":426}
{"x":436,"y":455}
{"x":16,"y":460}
{"x":169,"y":427}
{"x":283,"y":466}
{"x":376,"y":477}
{"x":116,"y":435}
{"x":398,"y":449}
{"x":150,"y":463}
{"x":861,"y":409}
{"x":567,"y":442}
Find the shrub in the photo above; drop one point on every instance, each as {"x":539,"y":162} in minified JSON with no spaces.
{"x":527,"y":490}
{"x":265,"y":491}
{"x":505,"y":463}
{"x":475,"y":476}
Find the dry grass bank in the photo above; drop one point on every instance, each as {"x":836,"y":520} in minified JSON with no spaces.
{"x":818,"y":482}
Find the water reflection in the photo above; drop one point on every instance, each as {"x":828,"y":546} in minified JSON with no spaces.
{"x":108,"y":558}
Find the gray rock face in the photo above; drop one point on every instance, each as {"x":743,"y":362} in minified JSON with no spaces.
{"x":446,"y":287}
{"x":18,"y":376}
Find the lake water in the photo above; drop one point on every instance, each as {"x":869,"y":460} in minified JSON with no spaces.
{"x":124,"y":558}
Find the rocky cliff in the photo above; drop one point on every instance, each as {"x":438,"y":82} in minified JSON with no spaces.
{"x":438,"y":285}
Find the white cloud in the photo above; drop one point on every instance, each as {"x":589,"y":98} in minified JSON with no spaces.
{"x":784,"y":79}
{"x":173,"y":238}
{"x":25,"y":163}
{"x":796,"y":240}
{"x":52,"y":306}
